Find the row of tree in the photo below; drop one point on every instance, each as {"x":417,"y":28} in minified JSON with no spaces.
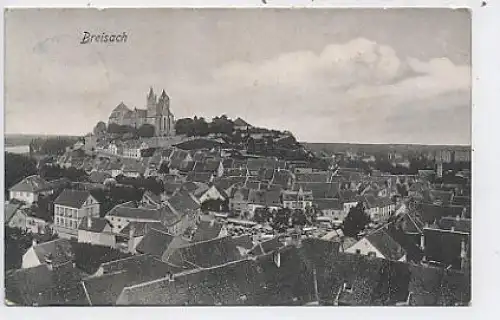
{"x":144,"y":131}
{"x":52,"y":145}
{"x":200,"y":127}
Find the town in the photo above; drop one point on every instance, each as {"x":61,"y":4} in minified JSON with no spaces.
{"x":152,"y":210}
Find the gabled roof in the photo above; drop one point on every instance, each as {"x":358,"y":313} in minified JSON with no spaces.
{"x":266,"y":247}
{"x":328,"y":204}
{"x":385,"y":244}
{"x":183,"y":201}
{"x":44,"y":287}
{"x":10,"y":209}
{"x":128,"y":210}
{"x":97,"y":225}
{"x":320,"y":190}
{"x":59,"y":251}
{"x":155,"y":242}
{"x":31,"y":184}
{"x":207,"y":230}
{"x":313,"y":177}
{"x":141,"y":228}
{"x":454,"y":223}
{"x":104,"y":290}
{"x":72,"y":198}
{"x":240,"y":122}
{"x":206,"y":254}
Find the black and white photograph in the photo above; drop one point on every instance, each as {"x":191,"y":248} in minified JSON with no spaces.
{"x":237,"y":157}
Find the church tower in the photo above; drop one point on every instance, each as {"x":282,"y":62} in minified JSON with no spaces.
{"x":151,"y":105}
{"x":165,"y":118}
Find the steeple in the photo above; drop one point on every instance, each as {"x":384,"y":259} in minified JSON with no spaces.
{"x":151,"y":93}
{"x":164,"y":95}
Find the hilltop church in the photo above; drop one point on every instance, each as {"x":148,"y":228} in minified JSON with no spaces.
{"x":157,"y":113}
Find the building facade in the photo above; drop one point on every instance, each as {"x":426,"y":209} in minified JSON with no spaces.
{"x":70,"y":208}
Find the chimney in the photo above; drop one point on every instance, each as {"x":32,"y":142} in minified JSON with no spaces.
{"x":89,"y":222}
{"x":33,"y":242}
{"x":170,"y":276}
{"x":464,"y":211}
{"x":422,"y":242}
{"x":457,"y":218}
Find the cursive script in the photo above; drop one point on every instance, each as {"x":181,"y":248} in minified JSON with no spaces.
{"x":103,"y":38}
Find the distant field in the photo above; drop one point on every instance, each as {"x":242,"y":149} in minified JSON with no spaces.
{"x":342,"y":147}
{"x":12,"y":140}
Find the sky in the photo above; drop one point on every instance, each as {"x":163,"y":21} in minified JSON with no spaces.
{"x":327,"y":75}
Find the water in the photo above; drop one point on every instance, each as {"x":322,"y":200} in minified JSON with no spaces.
{"x":18,"y":149}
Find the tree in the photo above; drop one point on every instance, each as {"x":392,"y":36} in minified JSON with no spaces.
{"x":183,"y":126}
{"x":89,"y":257}
{"x":146,"y":131}
{"x":17,"y":167}
{"x":356,"y":220}
{"x":100,"y":128}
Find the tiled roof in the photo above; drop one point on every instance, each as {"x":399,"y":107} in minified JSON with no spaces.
{"x":313,"y":177}
{"x":207,"y":230}
{"x":183,"y":202}
{"x":266,"y":247}
{"x":10,"y":209}
{"x":240,"y":123}
{"x":458,"y":224}
{"x":385,"y":244}
{"x":320,"y":190}
{"x":261,"y":282}
{"x":430,"y":213}
{"x":328,"y":204}
{"x":104,"y":290}
{"x":97,"y":224}
{"x":264,"y":197}
{"x":31,"y":184}
{"x":99,"y":176}
{"x":141,"y":228}
{"x":59,"y":251}
{"x":205,"y":177}
{"x":206,"y":254}
{"x":293,"y":195}
{"x":44,"y":287}
{"x":155,"y":242}
{"x":445,"y":246}
{"x":128,"y":210}
{"x":72,"y":198}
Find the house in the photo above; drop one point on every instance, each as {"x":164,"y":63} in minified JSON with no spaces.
{"x":69,"y":208}
{"x":133,"y":169}
{"x":11,"y":217}
{"x":159,"y":244}
{"x":379,"y":244}
{"x":115,"y":168}
{"x":130,"y":236}
{"x":99,"y":176}
{"x":324,"y":176}
{"x":205,"y":254}
{"x":320,"y":190}
{"x":239,"y":200}
{"x":149,"y":198}
{"x":297,"y":199}
{"x":213,"y":193}
{"x":379,"y":208}
{"x":115,"y":148}
{"x":123,"y":214}
{"x":204,"y":177}
{"x":263,"y":199}
{"x":132,"y":149}
{"x":54,"y":253}
{"x":240,"y":124}
{"x":331,"y":208}
{"x":208,"y":230}
{"x":96,"y":231}
{"x":213,"y":166}
{"x":29,"y":189}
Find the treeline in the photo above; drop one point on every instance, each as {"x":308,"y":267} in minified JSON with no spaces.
{"x":17,"y":167}
{"x":144,"y":131}
{"x":52,"y":172}
{"x":52,"y":145}
{"x":200,"y":127}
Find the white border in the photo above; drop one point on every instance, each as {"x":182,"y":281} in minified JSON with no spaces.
{"x":485,"y":118}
